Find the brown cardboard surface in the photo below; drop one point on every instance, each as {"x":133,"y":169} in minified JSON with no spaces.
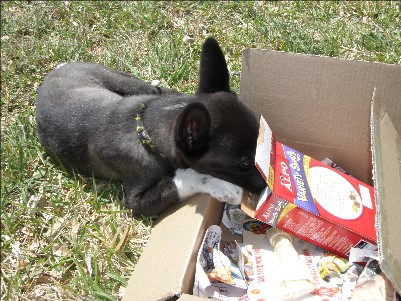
{"x":186,"y":297}
{"x":319,"y":101}
{"x":348,"y":159}
{"x":387,"y":171}
{"x":166,"y":268}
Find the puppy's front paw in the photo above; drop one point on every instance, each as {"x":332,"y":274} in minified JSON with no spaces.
{"x":190,"y":182}
{"x":224,"y":191}
{"x":187,"y":182}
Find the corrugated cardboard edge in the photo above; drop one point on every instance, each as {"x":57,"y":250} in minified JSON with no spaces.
{"x":386,"y":155}
{"x":186,"y":297}
{"x":166,"y":268}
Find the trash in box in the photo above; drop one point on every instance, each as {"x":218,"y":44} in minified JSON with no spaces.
{"x":270,"y":265}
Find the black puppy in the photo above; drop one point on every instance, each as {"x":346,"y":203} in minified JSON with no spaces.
{"x":163,"y":145}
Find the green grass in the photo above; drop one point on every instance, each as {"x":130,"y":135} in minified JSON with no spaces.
{"x":78,"y":243}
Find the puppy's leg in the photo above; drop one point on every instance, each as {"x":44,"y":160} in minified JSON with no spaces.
{"x":153,"y":199}
{"x":126,"y":84}
{"x":150,"y":199}
{"x":190,"y":182}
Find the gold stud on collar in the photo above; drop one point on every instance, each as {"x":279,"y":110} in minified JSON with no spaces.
{"x":143,"y":134}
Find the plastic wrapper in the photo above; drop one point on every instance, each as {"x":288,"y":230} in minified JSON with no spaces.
{"x":216,"y":276}
{"x":294,"y":279}
{"x":233,"y":218}
{"x":373,"y":285}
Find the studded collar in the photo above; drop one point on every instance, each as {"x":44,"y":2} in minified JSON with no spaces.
{"x":144,"y":136}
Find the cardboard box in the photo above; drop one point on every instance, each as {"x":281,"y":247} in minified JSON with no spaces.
{"x":311,"y":200}
{"x":291,"y":90}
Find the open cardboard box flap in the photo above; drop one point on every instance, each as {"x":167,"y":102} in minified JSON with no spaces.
{"x":166,"y":268}
{"x":386,"y":145}
{"x":320,"y":106}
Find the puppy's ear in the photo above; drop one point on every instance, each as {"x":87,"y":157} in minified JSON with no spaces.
{"x":213,"y":72}
{"x":192,"y":130}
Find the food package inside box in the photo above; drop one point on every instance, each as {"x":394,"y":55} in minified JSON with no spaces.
{"x":312,"y":200}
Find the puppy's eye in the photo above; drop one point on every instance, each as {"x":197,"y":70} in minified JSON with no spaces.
{"x":246,"y":162}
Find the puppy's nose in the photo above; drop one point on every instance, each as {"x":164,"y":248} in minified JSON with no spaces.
{"x":258,"y":184}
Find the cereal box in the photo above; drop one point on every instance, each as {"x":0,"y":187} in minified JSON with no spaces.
{"x":311,"y":200}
